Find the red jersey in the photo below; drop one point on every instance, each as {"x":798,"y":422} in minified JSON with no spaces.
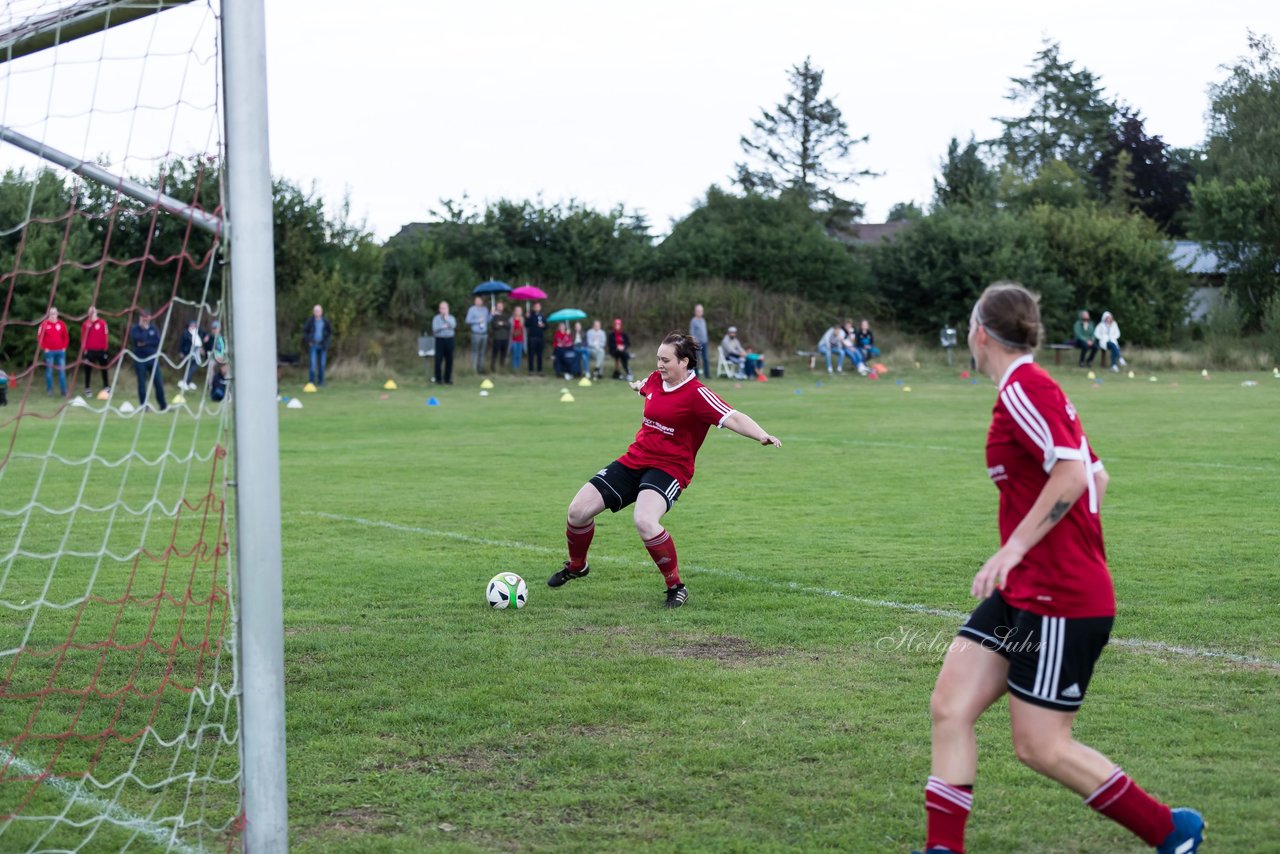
{"x":1033,"y":427}
{"x":676,"y":420}
{"x":52,"y":335}
{"x":517,"y":330}
{"x":93,"y":334}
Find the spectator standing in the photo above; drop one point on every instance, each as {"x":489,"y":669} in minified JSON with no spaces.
{"x":734,"y":352}
{"x":478,"y":322}
{"x":620,"y":350}
{"x":1108,"y":335}
{"x":500,"y":333}
{"x":52,"y":337}
{"x":195,"y":346}
{"x":597,"y":342}
{"x":537,"y":338}
{"x":444,"y":327}
{"x":95,"y":343}
{"x":518,"y":333}
{"x":1084,"y":340}
{"x":317,"y":332}
{"x":698,"y":332}
{"x":144,"y":340}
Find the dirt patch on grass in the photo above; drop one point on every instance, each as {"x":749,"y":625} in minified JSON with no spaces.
{"x":362,"y":819}
{"x":723,"y":648}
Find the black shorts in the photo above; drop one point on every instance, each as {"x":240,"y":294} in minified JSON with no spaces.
{"x":1051,"y":659}
{"x":620,"y":485}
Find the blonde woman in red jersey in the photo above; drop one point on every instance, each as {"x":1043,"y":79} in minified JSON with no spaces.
{"x":1048,"y":603}
{"x":678,"y":411}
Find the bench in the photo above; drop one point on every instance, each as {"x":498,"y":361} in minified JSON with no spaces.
{"x":811,"y":355}
{"x":1059,"y":348}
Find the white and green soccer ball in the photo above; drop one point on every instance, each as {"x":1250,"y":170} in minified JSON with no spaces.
{"x":506,"y":589}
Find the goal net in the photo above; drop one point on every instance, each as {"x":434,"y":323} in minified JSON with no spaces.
{"x":120,"y":690}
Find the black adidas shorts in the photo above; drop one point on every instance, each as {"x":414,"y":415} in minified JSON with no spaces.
{"x":1051,"y":659}
{"x":620,"y":485}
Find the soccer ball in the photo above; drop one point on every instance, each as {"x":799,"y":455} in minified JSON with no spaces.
{"x":506,"y":588}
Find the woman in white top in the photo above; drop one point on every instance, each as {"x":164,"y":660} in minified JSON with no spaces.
{"x":1108,"y":334}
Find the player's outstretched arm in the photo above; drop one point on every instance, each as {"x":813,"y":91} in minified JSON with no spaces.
{"x":745,"y":425}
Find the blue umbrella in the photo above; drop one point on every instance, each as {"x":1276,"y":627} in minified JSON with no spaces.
{"x":566,"y":314}
{"x":492,"y":288}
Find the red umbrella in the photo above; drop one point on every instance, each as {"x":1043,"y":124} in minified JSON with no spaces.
{"x":528,"y":292}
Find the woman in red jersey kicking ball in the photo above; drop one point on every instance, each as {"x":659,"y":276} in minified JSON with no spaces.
{"x":678,"y":411}
{"x":1048,"y":603}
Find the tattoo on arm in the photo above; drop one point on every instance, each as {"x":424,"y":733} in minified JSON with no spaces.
{"x":1059,"y":510}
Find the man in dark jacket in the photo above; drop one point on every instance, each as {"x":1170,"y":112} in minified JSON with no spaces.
{"x":537,"y":335}
{"x":144,"y":341}
{"x":316,"y":333}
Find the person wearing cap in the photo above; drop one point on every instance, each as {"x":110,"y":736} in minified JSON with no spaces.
{"x":52,"y":337}
{"x":620,"y":350}
{"x":95,"y":344}
{"x":734,"y":352}
{"x":144,"y":341}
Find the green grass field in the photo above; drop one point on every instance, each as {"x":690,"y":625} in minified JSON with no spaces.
{"x":785,"y":708}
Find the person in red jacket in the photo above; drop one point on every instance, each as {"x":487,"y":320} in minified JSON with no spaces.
{"x":52,"y":337}
{"x":95,"y":343}
{"x":658,"y":466}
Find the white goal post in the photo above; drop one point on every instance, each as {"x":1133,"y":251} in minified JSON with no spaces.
{"x":131,"y":479}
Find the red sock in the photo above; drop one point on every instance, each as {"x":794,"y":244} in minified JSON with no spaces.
{"x":946,"y":810}
{"x":579,"y":541}
{"x":1123,"y":801}
{"x":663,"y":551}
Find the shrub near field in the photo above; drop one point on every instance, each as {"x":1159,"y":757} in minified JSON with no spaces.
{"x":786,"y":707}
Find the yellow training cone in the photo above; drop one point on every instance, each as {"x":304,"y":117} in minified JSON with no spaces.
{"x":178,"y":398}
{"x":1092,"y":375}
{"x":906,"y":388}
{"x":309,"y":387}
{"x":487,"y":384}
{"x":584,"y":383}
{"x":566,"y":398}
{"x":390,"y":385}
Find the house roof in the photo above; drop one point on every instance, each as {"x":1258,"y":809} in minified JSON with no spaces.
{"x":1192,"y":257}
{"x":870,"y":232}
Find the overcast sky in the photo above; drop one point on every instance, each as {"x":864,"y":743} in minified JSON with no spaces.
{"x":402,"y":103}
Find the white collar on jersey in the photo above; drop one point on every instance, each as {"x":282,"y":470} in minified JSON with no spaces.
{"x":1017,"y":363}
{"x":666,"y":387}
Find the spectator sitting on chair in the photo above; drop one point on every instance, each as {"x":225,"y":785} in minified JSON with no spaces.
{"x":1108,"y":335}
{"x":581,"y":351}
{"x":619,"y":349}
{"x":218,"y":382}
{"x":596,"y":344}
{"x":849,"y":340}
{"x":829,"y":344}
{"x":1084,"y":340}
{"x":734,"y":352}
{"x":866,"y":340}
{"x":753,"y":366}
{"x":562,"y":355}
{"x":194,"y":345}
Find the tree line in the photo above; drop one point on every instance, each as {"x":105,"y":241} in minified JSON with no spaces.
{"x":1076,"y":197}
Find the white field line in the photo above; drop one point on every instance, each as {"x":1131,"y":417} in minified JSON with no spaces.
{"x":159,"y":833}
{"x":976,"y":453}
{"x":1129,"y":643}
